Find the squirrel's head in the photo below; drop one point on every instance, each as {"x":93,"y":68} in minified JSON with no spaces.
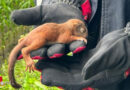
{"x":78,"y":28}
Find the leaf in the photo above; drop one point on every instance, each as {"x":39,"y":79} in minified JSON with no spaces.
{"x":70,"y":54}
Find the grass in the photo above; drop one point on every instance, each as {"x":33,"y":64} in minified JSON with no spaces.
{"x":29,"y":81}
{"x":9,"y":34}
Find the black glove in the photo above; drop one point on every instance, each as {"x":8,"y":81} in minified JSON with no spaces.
{"x":53,"y":12}
{"x":110,"y":60}
{"x":105,"y":65}
{"x":56,"y":50}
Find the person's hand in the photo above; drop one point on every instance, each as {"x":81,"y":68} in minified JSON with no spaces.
{"x":110,"y":59}
{"x":100,"y":67}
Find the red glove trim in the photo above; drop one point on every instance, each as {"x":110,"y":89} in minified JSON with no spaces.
{"x":35,"y":57}
{"x":86,"y":10}
{"x":20,"y":57}
{"x":57,"y":55}
{"x":38,"y":70}
{"x":127,"y":73}
{"x":61,"y":88}
{"x":41,"y":77}
{"x":79,"y":49}
{"x":38,"y":57}
{"x":88,"y":88}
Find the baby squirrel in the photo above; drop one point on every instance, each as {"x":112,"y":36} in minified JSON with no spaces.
{"x":48,"y":33}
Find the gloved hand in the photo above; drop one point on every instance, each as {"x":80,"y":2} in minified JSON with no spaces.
{"x":110,"y":60}
{"x":104,"y":66}
{"x":56,"y":51}
{"x":57,"y":12}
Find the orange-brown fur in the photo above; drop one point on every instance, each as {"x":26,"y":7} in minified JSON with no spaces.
{"x":48,"y":33}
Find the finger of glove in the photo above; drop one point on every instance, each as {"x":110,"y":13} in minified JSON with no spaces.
{"x":77,"y":46}
{"x":106,"y":56}
{"x":40,"y":53}
{"x":56,"y":51}
{"x":29,"y":16}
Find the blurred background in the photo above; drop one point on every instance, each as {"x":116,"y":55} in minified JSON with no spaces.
{"x":9,"y":32}
{"x":9,"y":35}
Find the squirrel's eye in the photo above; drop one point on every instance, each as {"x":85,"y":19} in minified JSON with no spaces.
{"x":82,"y":30}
